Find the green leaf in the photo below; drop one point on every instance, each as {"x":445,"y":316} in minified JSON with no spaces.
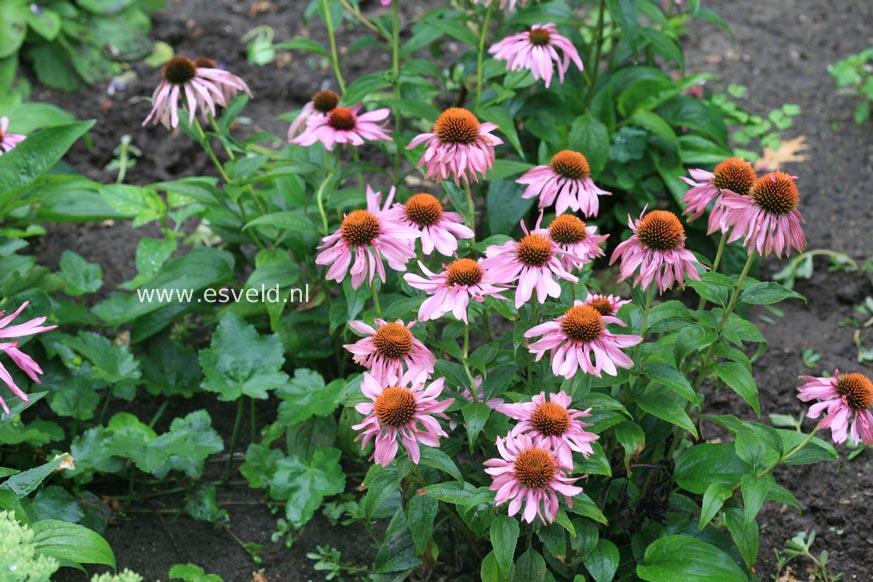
{"x":768,"y":293}
{"x":105,"y":6}
{"x":14,"y":15}
{"x":684,"y":558}
{"x":192,"y":573}
{"x":754,"y":490}
{"x":505,"y":122}
{"x":420,"y":514}
{"x":439,"y":460}
{"x":590,"y":137}
{"x":702,"y":465}
{"x":489,"y":571}
{"x":454,"y":493}
{"x":397,"y":553}
{"x":143,"y":205}
{"x":306,"y":395}
{"x":740,"y":380}
{"x":80,"y":276}
{"x":655,"y":124}
{"x":113,"y":363}
{"x":530,"y":567}
{"x":46,"y":23}
{"x":602,"y":562}
{"x":475,"y":416}
{"x":24,"y":483}
{"x":745,"y":535}
{"x":713,"y":500}
{"x":184,"y":447}
{"x":302,"y":44}
{"x":816,"y":451}
{"x":71,"y":542}
{"x":505,"y":206}
{"x":504,"y":537}
{"x":669,"y":376}
{"x":625,"y":14}
{"x":287,"y":220}
{"x":240,"y":361}
{"x":664,"y":405}
{"x":305,"y":484}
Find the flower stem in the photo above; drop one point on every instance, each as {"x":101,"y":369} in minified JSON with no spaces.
{"x":481,"y":55}
{"x":319,"y":200}
{"x":650,"y":292}
{"x":233,"y":438}
{"x":395,"y":71}
{"x":471,"y":218}
{"x":467,"y":365}
{"x":715,"y":264}
{"x":595,"y":60}
{"x":334,"y":56}
{"x":376,"y":305}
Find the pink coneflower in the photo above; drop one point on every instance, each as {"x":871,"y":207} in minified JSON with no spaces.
{"x":579,"y":243}
{"x":459,"y":145}
{"x":533,"y":262}
{"x":579,"y":340}
{"x":657,"y":247}
{"x":8,"y":141}
{"x":767,"y":219}
{"x":400,"y":410}
{"x":389,"y":349}
{"x":606,"y":305}
{"x":320,"y":106}
{"x":553,"y":425}
{"x":193,"y":86}
{"x":508,"y":5}
{"x":566,"y":182}
{"x":732,"y":174}
{"x":535,"y":50}
{"x":22,"y":360}
{"x":452,"y":290}
{"x":344,"y":125}
{"x":368,"y":236}
{"x":439,"y":229}
{"x":846,"y":398}
{"x":531,"y":475}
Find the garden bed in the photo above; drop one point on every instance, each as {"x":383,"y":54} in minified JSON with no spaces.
{"x":781,"y":52}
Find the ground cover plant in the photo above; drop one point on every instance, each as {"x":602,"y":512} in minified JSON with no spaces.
{"x":488,"y":404}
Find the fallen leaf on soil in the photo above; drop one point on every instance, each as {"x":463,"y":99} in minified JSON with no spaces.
{"x":260,"y":7}
{"x":789,"y":152}
{"x":788,"y":576}
{"x":258,"y":577}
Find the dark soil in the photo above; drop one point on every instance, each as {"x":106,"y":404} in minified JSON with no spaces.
{"x":781,"y":52}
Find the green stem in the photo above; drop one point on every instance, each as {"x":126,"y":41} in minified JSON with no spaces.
{"x":233,"y":438}
{"x":319,"y":200}
{"x":715,"y":264}
{"x":470,"y":220}
{"x":395,"y":69}
{"x":467,"y":365}
{"x":646,"y":307}
{"x":334,"y":55}
{"x":376,"y":305}
{"x":483,"y":34}
{"x":159,"y":413}
{"x":595,"y":61}
{"x":363,"y":19}
{"x":253,"y":421}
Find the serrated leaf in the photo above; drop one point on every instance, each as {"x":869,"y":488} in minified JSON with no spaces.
{"x":306,"y":395}
{"x":304,"y":485}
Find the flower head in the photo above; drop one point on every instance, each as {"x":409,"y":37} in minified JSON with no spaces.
{"x":657,"y":248}
{"x":536,"y":49}
{"x":368,"y":236}
{"x":846,"y":400}
{"x":532,"y":475}
{"x":579,"y":243}
{"x":390,"y":351}
{"x":404,"y":410}
{"x":452,"y":290}
{"x":553,"y":425}
{"x":8,"y":141}
{"x":732,"y":174}
{"x":184,"y":81}
{"x":24,"y":362}
{"x":344,"y":125}
{"x":566,"y":182}
{"x":580,"y":340}
{"x":606,"y":305}
{"x":533,"y":262}
{"x":767,"y":219}
{"x":321,"y":104}
{"x":459,"y":147}
{"x":439,"y":229}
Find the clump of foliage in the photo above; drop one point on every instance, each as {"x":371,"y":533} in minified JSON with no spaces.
{"x":854,"y":76}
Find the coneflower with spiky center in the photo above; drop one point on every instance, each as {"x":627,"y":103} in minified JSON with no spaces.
{"x":845,"y":399}
{"x":8,"y":140}
{"x":733,"y":174}
{"x":189,"y":84}
{"x":767,"y":219}
{"x":452,"y":290}
{"x":657,"y":249}
{"x":321,"y":104}
{"x":531,"y":475}
{"x":390,"y":350}
{"x":438,"y":228}
{"x":553,"y":423}
{"x":403,"y":408}
{"x":536,"y":50}
{"x":533,"y":262}
{"x":580,"y":243}
{"x":344,"y":125}
{"x":9,"y":337}
{"x":579,"y":340}
{"x":606,"y":305}
{"x":459,"y":147}
{"x":565,"y":183}
{"x":367,"y":236}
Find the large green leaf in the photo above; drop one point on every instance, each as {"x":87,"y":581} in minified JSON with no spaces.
{"x":13,"y":26}
{"x":105,"y":6}
{"x":306,"y":395}
{"x":504,"y":537}
{"x":71,"y":542}
{"x":305,"y":484}
{"x":686,"y":559}
{"x":590,"y":137}
{"x":702,"y":465}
